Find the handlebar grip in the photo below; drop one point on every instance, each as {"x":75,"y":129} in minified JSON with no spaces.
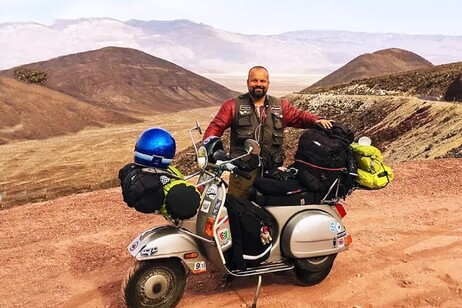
{"x":242,"y":173}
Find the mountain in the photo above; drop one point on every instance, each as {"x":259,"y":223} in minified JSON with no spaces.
{"x":128,"y":80}
{"x":30,"y":111}
{"x":381,"y":62}
{"x":204,"y":49}
{"x":95,"y":88}
{"x":439,"y":82}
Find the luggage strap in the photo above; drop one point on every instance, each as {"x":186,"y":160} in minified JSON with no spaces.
{"x":343,"y":169}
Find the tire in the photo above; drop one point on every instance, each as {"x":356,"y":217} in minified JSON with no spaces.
{"x":311,"y":271}
{"x":157,"y":283}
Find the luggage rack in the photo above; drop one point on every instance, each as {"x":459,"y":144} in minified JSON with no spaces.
{"x":336,"y":186}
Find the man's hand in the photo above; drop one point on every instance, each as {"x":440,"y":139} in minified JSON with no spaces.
{"x":324,"y":123}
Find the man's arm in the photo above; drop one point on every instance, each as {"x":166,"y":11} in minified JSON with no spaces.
{"x":297,"y":118}
{"x":222,"y":120}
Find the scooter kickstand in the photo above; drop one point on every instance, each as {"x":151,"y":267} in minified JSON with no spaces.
{"x":257,"y":291}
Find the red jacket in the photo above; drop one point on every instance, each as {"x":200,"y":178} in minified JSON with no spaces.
{"x":292,"y":117}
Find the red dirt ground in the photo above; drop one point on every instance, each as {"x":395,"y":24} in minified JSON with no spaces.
{"x":406,"y":251}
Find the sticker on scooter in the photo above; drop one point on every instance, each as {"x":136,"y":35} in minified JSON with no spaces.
{"x":341,"y":242}
{"x":199,"y":267}
{"x":212,"y":192}
{"x":216,"y":208}
{"x":133,"y":246}
{"x":205,"y":206}
{"x":148,"y":251}
{"x":223,"y":235}
{"x":332,"y":226}
{"x":335,"y":227}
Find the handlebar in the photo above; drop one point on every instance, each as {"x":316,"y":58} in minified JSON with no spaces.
{"x":234,"y":169}
{"x":241,"y":172}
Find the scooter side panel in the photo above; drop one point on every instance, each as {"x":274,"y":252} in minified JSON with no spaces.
{"x":312,"y":233}
{"x":166,"y":242}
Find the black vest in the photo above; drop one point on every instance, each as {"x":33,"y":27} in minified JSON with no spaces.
{"x":247,"y":125}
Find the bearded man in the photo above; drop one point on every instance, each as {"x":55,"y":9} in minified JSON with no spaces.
{"x":262,"y":117}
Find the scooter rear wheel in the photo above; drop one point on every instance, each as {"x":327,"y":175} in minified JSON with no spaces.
{"x":311,"y":271}
{"x":157,"y":283}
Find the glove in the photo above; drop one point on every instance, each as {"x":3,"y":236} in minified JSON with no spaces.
{"x":278,"y":174}
{"x":241,"y":165}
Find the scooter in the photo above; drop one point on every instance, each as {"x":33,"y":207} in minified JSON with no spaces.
{"x":306,"y":239}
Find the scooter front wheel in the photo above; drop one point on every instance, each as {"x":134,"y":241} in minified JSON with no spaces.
{"x":157,"y":283}
{"x":311,"y":271}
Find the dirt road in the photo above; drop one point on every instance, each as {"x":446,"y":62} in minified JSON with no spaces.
{"x":406,"y":251}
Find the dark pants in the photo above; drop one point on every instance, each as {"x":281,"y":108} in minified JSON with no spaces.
{"x":239,"y":186}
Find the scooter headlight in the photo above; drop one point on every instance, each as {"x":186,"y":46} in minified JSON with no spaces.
{"x":202,"y":158}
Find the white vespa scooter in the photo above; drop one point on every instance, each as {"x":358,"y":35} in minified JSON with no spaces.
{"x":306,"y":239}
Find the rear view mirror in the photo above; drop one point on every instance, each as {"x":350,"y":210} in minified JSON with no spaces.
{"x":252,"y":147}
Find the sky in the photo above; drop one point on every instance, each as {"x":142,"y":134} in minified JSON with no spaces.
{"x":257,"y":16}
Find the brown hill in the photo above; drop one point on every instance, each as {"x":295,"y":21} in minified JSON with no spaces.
{"x":109,"y":85}
{"x":403,"y":128}
{"x":437,"y":82}
{"x":373,"y":64}
{"x":30,"y":111}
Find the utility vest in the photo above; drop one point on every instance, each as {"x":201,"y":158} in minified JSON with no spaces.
{"x":247,"y":125}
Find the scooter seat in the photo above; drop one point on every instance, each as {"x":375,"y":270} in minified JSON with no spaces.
{"x":272,"y":192}
{"x":273,"y":187}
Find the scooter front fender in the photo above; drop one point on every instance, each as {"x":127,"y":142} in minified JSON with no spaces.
{"x":168,"y":242}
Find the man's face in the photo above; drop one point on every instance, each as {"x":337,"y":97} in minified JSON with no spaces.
{"x":258,"y":83}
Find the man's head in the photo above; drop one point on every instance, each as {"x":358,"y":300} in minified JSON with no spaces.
{"x":258,"y":82}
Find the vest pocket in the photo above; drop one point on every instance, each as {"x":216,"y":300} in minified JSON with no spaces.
{"x":278,"y":138}
{"x":278,"y":159}
{"x":242,"y":136}
{"x":277,"y":120}
{"x":244,"y":120}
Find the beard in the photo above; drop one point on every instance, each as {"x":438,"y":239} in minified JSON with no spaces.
{"x":257,"y":92}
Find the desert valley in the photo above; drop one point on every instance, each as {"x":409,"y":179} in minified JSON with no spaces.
{"x":65,"y":228}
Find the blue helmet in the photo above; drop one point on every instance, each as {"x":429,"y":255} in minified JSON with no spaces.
{"x":155,"y":147}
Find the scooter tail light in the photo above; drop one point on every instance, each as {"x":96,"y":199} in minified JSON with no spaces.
{"x":340,"y":210}
{"x":348,"y":240}
{"x":209,"y":226}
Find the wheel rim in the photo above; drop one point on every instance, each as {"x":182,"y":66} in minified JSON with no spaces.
{"x":155,"y":286}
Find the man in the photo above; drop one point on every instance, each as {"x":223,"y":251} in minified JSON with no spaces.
{"x":258,"y":116}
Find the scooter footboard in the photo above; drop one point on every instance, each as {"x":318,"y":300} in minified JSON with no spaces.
{"x":312,"y":233}
{"x":167,"y":242}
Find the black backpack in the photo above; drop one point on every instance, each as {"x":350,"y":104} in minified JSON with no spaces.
{"x":141,"y":190}
{"x":324,"y":158}
{"x":251,"y":233}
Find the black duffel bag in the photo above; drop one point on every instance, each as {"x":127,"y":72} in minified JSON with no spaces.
{"x":251,"y":233}
{"x":141,"y":190}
